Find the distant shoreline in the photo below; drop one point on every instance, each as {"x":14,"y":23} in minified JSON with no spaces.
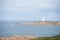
{"x":41,"y":23}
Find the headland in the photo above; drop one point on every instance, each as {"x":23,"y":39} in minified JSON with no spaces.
{"x":41,"y":23}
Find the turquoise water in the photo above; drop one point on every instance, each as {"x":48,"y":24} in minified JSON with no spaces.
{"x":21,"y":30}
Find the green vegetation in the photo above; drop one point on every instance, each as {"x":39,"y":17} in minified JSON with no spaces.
{"x":48,"y":38}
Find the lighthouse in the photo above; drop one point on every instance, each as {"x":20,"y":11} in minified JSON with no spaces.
{"x":43,"y":19}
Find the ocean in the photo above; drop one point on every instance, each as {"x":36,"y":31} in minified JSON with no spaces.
{"x":11,"y":29}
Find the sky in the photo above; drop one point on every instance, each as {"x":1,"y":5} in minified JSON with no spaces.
{"x":30,"y":10}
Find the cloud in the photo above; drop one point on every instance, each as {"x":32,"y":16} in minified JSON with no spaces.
{"x":30,"y":4}
{"x":37,"y":4}
{"x":15,"y":9}
{"x":53,"y":15}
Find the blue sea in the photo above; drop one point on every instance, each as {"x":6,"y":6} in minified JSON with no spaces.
{"x":11,"y":29}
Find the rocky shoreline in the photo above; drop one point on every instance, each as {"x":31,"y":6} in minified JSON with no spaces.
{"x":57,"y":37}
{"x":41,"y":23}
{"x":18,"y":38}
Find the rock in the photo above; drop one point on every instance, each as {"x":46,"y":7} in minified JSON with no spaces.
{"x":18,"y":38}
{"x":40,"y":23}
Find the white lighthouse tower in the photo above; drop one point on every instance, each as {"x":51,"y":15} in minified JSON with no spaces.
{"x":43,"y":19}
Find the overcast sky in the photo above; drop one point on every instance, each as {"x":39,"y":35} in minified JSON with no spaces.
{"x":30,"y":10}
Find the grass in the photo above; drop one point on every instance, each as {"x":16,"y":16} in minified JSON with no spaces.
{"x":48,"y":38}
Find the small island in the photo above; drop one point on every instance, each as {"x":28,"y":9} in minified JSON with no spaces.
{"x":41,"y":23}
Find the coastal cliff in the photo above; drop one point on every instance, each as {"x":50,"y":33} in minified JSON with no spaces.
{"x":41,"y":23}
